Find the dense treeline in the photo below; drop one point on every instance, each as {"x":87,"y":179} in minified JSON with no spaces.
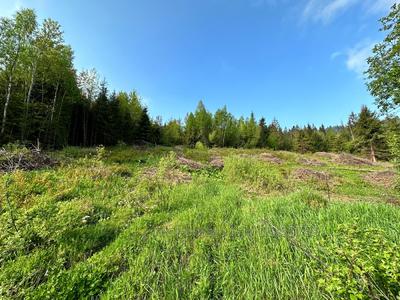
{"x":44,"y":99}
{"x":364,"y":133}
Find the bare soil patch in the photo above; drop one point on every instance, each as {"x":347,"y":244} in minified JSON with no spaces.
{"x":327,"y":155}
{"x":307,"y":174}
{"x":268,"y":157}
{"x":174,"y":176}
{"x":393,"y":201}
{"x":311,"y":162}
{"x":345,"y":159}
{"x":217,"y":162}
{"x":348,"y":159}
{"x":381,"y":178}
{"x":190,"y":164}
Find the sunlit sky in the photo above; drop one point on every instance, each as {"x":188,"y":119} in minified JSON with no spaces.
{"x":300,"y":61}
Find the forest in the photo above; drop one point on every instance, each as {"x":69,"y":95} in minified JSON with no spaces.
{"x":45,"y":100}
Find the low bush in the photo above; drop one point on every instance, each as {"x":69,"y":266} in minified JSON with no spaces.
{"x":360,"y":263}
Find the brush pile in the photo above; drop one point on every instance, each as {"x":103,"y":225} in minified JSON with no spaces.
{"x":24,"y":159}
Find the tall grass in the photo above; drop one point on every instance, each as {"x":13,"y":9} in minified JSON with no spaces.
{"x":99,"y":228}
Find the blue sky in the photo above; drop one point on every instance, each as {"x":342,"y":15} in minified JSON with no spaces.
{"x":300,"y":61}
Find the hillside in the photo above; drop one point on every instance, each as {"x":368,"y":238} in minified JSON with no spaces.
{"x":179,"y":223}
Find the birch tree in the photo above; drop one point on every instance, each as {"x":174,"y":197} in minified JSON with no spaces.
{"x":15,"y":36}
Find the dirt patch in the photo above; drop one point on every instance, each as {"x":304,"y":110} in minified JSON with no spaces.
{"x":190,"y":164}
{"x":217,"y":162}
{"x":268,"y":157}
{"x":311,"y":162}
{"x":25,"y":160}
{"x":348,"y":159}
{"x":383,"y":178}
{"x":174,"y":176}
{"x":345,"y":159}
{"x":393,"y":201}
{"x":327,"y":155}
{"x":307,"y":174}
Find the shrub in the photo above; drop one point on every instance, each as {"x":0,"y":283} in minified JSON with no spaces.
{"x":360,"y":264}
{"x":101,"y":152}
{"x":200,"y":146}
{"x":167,"y":162}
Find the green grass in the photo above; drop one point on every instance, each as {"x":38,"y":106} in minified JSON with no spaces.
{"x":97,"y":227}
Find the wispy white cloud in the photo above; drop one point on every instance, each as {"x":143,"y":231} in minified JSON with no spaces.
{"x":325,"y":11}
{"x":356,"y":57}
{"x":336,"y":54}
{"x":380,"y":6}
{"x":8,"y":8}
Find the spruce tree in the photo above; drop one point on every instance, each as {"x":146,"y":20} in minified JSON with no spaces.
{"x":369,"y":134}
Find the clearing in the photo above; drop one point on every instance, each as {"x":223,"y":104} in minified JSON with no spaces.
{"x":178,"y":223}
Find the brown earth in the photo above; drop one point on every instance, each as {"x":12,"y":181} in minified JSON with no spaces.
{"x":345,"y":159}
{"x":348,"y":159}
{"x":382,"y":178}
{"x":268,"y":157}
{"x":174,"y":176}
{"x":325,"y":155}
{"x":217,"y":162}
{"x":307,"y":174}
{"x":191,"y":164}
{"x":311,"y":162}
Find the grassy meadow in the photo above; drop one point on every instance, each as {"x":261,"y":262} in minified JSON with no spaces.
{"x":180,"y":223}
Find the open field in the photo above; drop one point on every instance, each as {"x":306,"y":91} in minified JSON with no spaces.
{"x":177,"y":223}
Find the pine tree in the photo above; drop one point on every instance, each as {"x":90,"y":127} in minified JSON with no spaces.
{"x":274,"y":133}
{"x":144,"y":126}
{"x":369,"y":133}
{"x":263,"y":128}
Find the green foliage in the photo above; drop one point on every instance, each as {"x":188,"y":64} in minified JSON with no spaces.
{"x":253,"y":174}
{"x":368,"y":132}
{"x":202,"y":155}
{"x":171,"y":133}
{"x":199,"y":146}
{"x":100,"y":152}
{"x":360,"y":263}
{"x":384,"y":69}
{"x":311,"y":198}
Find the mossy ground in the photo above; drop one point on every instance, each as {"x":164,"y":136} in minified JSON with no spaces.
{"x":98,"y":226}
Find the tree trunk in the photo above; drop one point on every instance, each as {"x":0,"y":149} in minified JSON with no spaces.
{"x":8,"y":96}
{"x":373,"y":157}
{"x":223,"y":137}
{"x":84,"y":127}
{"x":54,"y":102}
{"x":351,"y":133}
{"x":28,"y":99}
{"x":58,"y":117}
